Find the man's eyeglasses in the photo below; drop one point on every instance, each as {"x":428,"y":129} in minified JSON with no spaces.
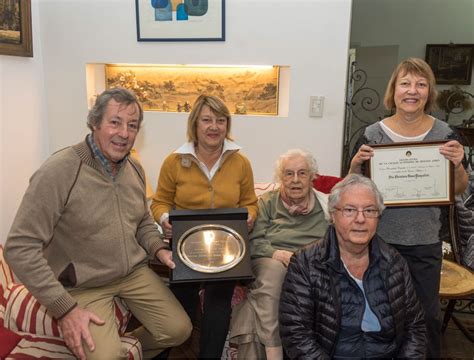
{"x":290,"y":174}
{"x":353,"y":212}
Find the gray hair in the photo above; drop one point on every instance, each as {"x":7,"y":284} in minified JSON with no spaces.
{"x":351,"y":181}
{"x":120,"y":95}
{"x":306,"y":155}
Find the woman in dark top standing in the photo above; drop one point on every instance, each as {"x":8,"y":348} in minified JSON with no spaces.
{"x":416,"y":232}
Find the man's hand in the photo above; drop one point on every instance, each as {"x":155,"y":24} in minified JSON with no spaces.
{"x":166,"y":257}
{"x":283,"y":256}
{"x":75,"y":328}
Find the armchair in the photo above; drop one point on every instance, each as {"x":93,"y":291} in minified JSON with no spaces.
{"x":28,"y":331}
{"x":457,"y":279}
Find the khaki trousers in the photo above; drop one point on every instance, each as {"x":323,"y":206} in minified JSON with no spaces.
{"x":254,"y":323}
{"x":164,"y":322}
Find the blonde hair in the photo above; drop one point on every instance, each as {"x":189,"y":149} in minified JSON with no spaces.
{"x":217,"y":106}
{"x":417,"y":67}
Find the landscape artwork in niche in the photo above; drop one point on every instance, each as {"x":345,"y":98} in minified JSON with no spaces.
{"x":180,"y":20}
{"x":245,"y":90}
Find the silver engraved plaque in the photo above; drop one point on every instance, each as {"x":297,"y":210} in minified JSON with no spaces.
{"x":211,"y":248}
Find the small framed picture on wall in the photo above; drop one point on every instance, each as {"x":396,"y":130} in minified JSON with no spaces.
{"x":15,"y":28}
{"x":451,"y":63}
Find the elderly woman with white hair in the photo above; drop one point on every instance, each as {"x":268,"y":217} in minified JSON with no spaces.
{"x":290,"y":217}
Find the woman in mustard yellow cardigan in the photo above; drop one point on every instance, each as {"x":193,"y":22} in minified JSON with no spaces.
{"x":206,"y":172}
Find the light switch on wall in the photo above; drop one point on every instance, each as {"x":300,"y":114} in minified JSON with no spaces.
{"x":316,"y":106}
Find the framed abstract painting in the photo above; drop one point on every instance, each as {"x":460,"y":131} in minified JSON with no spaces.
{"x":180,"y":20}
{"x":15,"y":28}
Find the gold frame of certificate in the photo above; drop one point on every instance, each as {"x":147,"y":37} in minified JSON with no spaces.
{"x":412,"y":174}
{"x":209,"y":245}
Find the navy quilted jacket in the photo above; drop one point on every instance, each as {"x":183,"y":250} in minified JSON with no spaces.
{"x":310,"y":302}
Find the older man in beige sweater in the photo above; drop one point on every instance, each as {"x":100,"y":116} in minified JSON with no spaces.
{"x":83,"y":233}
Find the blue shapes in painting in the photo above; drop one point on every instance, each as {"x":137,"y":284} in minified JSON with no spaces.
{"x":163,"y":10}
{"x":181,"y":12}
{"x":160,"y":4}
{"x":196,"y":7}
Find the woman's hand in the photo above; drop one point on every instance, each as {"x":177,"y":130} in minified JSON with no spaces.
{"x":283,"y":256}
{"x":250,"y":222}
{"x":453,"y":151}
{"x":365,"y":153}
{"x":167,"y":228}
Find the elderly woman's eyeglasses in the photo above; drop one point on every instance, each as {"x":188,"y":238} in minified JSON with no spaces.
{"x":353,"y":212}
{"x":290,"y":174}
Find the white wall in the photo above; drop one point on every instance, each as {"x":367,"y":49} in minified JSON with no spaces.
{"x":23,"y":135}
{"x":43,"y":103}
{"x":411,"y":25}
{"x":310,"y":36}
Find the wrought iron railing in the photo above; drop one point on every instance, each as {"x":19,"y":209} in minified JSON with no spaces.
{"x":363,"y":108}
{"x":461,"y":103}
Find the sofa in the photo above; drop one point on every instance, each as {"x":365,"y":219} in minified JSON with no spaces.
{"x":27,"y":331}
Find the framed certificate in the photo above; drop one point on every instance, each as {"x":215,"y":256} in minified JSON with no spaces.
{"x":412,"y":174}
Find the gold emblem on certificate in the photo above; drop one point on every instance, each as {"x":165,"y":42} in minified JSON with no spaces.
{"x":210,"y":244}
{"x":410,"y":174}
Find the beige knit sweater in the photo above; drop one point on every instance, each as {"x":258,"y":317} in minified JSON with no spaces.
{"x":78,"y":227}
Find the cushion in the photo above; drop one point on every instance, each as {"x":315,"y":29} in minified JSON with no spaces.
{"x":6,"y":277}
{"x":6,"y":274}
{"x":2,"y":306}
{"x":36,"y":332}
{"x":24,"y":313}
{"x":122,"y":315}
{"x":134,"y":347}
{"x":49,"y":347}
{"x":8,"y":342}
{"x":325,"y":183}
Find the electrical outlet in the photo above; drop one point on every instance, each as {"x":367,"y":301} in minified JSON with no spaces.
{"x":316,"y":106}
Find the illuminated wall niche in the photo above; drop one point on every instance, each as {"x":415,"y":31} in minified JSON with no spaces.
{"x":251,"y":90}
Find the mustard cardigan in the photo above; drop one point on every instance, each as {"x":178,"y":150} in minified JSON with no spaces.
{"x":183,"y":185}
